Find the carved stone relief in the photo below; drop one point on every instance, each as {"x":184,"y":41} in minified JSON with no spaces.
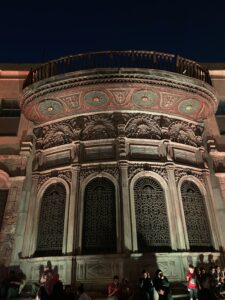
{"x":179,"y":173}
{"x":112,"y":170}
{"x":134,"y":169}
{"x":66,"y":175}
{"x":105,"y":126}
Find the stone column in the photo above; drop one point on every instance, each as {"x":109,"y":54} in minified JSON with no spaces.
{"x":20,"y":220}
{"x":73,"y":202}
{"x":126,"y":210}
{"x":7,"y":244}
{"x":177,"y":230}
{"x":211,"y":209}
{"x":27,"y":249}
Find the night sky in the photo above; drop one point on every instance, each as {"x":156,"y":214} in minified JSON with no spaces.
{"x":38,"y":31}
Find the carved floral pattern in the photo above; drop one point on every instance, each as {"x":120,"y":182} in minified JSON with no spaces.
{"x":179,"y":173}
{"x":137,"y":168}
{"x":143,"y":127}
{"x":104,"y":126}
{"x":112,"y":170}
{"x":182,"y":132}
{"x":66,"y":175}
{"x":98,"y":127}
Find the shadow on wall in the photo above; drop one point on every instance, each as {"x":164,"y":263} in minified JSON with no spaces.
{"x":208,"y":261}
{"x":47,"y":268}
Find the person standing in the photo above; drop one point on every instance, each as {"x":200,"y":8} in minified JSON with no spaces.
{"x":146,"y":286}
{"x":162,"y":286}
{"x":192,"y":283}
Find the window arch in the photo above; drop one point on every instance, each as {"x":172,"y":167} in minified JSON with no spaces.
{"x":99,"y":226}
{"x":151,"y":215}
{"x":195,"y":216}
{"x":51,"y":221}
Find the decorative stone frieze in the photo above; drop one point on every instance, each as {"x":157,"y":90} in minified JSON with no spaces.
{"x":146,"y":90}
{"x":64,"y":174}
{"x":111,"y":169}
{"x":105,"y":126}
{"x":179,"y":173}
{"x":136,"y":168}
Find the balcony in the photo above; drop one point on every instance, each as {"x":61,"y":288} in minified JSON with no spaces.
{"x":119,"y":59}
{"x":116,"y":81}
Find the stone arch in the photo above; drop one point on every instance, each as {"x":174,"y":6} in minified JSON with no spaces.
{"x":54,"y":181}
{"x":149,"y":206}
{"x":94,"y":179}
{"x":195,"y":213}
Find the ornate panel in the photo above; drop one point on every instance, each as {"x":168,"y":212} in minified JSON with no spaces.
{"x":51,"y":221}
{"x":99,"y":229}
{"x":195,"y":216}
{"x":3,"y":199}
{"x":151,"y":215}
{"x":112,"y":125}
{"x":110,"y":169}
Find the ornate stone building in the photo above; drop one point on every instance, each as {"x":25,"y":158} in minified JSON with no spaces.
{"x":113,"y":162}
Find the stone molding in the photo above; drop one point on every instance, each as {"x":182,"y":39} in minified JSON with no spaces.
{"x":63,"y":174}
{"x":90,"y":170}
{"x":155,"y":77}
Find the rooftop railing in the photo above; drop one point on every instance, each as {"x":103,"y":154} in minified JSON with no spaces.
{"x":119,"y":59}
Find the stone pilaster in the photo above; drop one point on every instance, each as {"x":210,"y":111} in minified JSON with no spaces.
{"x":126,"y":210}
{"x":8,"y":245}
{"x":27,"y":249}
{"x":217,"y":235}
{"x":73,"y":202}
{"x":177,"y":229}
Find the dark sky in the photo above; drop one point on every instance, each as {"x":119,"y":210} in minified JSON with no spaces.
{"x":37,"y":31}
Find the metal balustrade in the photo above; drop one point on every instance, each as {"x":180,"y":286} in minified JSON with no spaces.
{"x":119,"y":59}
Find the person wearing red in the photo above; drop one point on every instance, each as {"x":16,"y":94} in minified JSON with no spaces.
{"x":192,"y":284}
{"x":114,"y":289}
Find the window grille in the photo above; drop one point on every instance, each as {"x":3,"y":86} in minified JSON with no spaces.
{"x":151,"y":215}
{"x":99,"y":228}
{"x":51,"y":221}
{"x":195,"y":216}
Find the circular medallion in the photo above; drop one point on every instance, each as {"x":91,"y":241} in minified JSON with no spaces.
{"x":189,"y":106}
{"x":50,"y":107}
{"x":144,"y":98}
{"x":96,"y":98}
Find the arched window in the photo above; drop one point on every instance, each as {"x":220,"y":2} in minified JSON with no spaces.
{"x":151,"y":215}
{"x":3,"y":199}
{"x":195,"y":216}
{"x":51,"y":221}
{"x":99,"y":227}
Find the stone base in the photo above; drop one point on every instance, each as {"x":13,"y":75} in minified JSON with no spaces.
{"x":96,"y":271}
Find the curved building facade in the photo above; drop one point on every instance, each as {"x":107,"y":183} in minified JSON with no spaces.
{"x":119,"y":175}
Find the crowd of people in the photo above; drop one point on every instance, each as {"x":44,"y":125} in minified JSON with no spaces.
{"x":51,"y":288}
{"x":205,"y":284}
{"x":202,"y":284}
{"x":157,"y":288}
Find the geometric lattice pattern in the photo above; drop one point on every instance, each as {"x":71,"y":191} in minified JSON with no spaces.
{"x":151,"y":215}
{"x":51,"y":221}
{"x":99,"y":226}
{"x":3,"y":199}
{"x":195,"y":216}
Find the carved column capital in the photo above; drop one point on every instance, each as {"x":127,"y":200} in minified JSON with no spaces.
{"x":123,"y":164}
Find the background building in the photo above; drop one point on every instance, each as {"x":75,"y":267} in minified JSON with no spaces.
{"x":110,"y":163}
